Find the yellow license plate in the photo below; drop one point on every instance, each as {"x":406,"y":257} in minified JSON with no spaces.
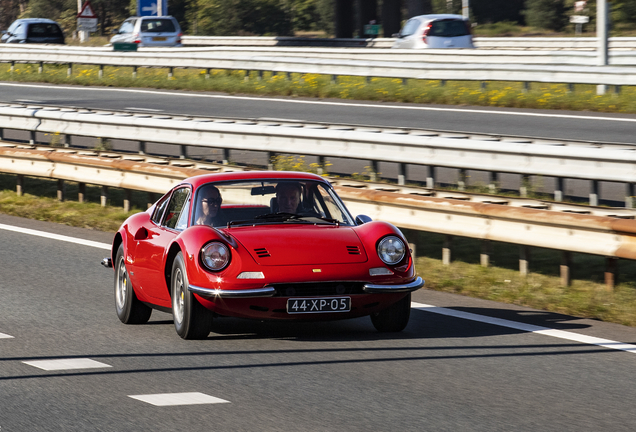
{"x":158,"y":38}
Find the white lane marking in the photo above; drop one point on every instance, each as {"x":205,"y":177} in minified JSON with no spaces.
{"x":66,"y":364}
{"x":27,"y":100}
{"x":172,"y":399}
{"x":591,"y":340}
{"x":143,"y":109}
{"x":56,"y":237}
{"x":5,"y":336}
{"x":331,"y":103}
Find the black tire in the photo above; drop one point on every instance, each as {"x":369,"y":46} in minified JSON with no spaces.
{"x":191,"y":319}
{"x":129,"y":309}
{"x":394,"y":318}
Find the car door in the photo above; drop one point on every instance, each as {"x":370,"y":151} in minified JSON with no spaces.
{"x":168,"y":220}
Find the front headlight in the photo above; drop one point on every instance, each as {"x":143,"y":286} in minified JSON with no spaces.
{"x":391,"y":250}
{"x":215,"y":256}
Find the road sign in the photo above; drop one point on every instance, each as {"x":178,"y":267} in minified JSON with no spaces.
{"x":86,"y":19}
{"x":579,"y":19}
{"x":152,"y":7}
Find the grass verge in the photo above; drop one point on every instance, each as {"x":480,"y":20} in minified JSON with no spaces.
{"x":587,"y":297}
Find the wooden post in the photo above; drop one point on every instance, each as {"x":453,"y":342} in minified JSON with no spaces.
{"x":446,"y":250}
{"x":402,"y":174}
{"x":127,"y":199}
{"x":81,"y":194}
{"x":594,"y":193}
{"x":524,"y":260}
{"x":61,"y":189}
{"x":611,"y":273}
{"x":486,"y":251}
{"x":104,"y":197}
{"x":19,"y":188}
{"x":566,"y":268}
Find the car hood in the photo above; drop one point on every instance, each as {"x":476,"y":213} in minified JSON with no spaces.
{"x":300,"y":244}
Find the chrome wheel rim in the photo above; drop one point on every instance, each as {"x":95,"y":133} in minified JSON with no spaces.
{"x":178,"y":300}
{"x":122,"y":284}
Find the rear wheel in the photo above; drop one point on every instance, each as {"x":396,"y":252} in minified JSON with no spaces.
{"x":394,"y":318}
{"x":191,"y":319}
{"x":129,"y":309}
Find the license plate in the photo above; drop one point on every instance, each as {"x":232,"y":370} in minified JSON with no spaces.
{"x":158,"y":38}
{"x":318,"y":305}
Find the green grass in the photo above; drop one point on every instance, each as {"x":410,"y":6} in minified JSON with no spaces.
{"x":502,"y":282}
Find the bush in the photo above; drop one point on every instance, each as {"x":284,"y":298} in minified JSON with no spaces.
{"x":546,"y":14}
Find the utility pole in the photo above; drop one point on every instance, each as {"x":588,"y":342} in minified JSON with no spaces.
{"x":465,"y":9}
{"x":602,"y":21}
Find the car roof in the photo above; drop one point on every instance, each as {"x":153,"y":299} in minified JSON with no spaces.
{"x":151,"y":17}
{"x":199,"y":180}
{"x":36,"y":20}
{"x":433,"y":17}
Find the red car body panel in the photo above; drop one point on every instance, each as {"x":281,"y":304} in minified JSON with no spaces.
{"x":295,"y":257}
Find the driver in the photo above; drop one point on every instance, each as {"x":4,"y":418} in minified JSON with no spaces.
{"x":288,"y":197}
{"x":209,"y":206}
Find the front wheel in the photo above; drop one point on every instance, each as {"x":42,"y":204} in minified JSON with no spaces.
{"x":191,"y":319}
{"x":394,"y":318}
{"x":129,"y":309}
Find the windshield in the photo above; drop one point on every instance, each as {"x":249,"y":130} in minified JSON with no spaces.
{"x":265,"y":202}
{"x":158,"y":25}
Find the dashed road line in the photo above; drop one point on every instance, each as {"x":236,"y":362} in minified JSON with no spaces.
{"x":561,"y":334}
{"x":174,"y":399}
{"x":5,"y":336}
{"x":66,"y":364}
{"x":56,"y":236}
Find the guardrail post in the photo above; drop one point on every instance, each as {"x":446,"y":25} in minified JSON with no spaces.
{"x":611,"y":273}
{"x":19,"y":187}
{"x":151,"y":199}
{"x":524,"y":260}
{"x":594,"y":192}
{"x":446,"y":250}
{"x":525,"y":185}
{"x":629,"y":199}
{"x":617,"y":90}
{"x":375,"y":168}
{"x":486,"y":251}
{"x":270,"y":160}
{"x":493,"y":186}
{"x":61,"y":189}
{"x":207,"y":73}
{"x":170,"y":72}
{"x":226,"y":156}
{"x":142,"y":147}
{"x":69,"y":70}
{"x":104,"y":197}
{"x":369,"y":78}
{"x":41,"y":68}
{"x":442,"y":83}
{"x":430,"y":180}
{"x":402,"y":174}
{"x":321,"y":165}
{"x":461,"y":182}
{"x":100,"y":74}
{"x":334,"y":79}
{"x":260,"y":75}
{"x":570,"y":88}
{"x":81,"y":194}
{"x":484,"y":85}
{"x":565,"y":269}
{"x":127,"y":199}
{"x":526,"y":87}
{"x":560,"y":187}
{"x":32,"y":137}
{"x":247,"y":76}
{"x":134,"y":72}
{"x":183,"y":153}
{"x":12,"y":66}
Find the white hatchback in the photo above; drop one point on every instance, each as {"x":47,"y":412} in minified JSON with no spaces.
{"x":149,"y":31}
{"x":435,"y":31}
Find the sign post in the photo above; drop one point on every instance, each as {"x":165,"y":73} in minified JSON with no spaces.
{"x":86,"y":21}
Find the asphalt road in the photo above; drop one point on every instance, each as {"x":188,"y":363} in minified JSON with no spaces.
{"x":443,"y":373}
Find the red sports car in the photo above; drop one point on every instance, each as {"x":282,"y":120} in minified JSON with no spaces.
{"x":263,"y":245}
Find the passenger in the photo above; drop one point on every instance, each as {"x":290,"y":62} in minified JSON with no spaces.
{"x":288,"y":197}
{"x":209,"y":206}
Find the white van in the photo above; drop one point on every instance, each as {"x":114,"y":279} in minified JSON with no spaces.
{"x":435,"y":31}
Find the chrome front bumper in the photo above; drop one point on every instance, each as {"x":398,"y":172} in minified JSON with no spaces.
{"x":269,"y":291}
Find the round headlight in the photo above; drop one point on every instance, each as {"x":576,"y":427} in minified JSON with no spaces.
{"x":215,"y":256}
{"x":391,"y":250}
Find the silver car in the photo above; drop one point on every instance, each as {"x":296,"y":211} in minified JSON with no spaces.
{"x":435,"y":31}
{"x":33,"y":30}
{"x":149,"y":31}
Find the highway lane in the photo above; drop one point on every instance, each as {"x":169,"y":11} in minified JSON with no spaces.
{"x":506,"y":121}
{"x":442,"y":373}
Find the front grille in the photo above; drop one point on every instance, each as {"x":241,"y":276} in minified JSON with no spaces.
{"x":262,"y":253}
{"x":353,"y":250}
{"x":318,"y":289}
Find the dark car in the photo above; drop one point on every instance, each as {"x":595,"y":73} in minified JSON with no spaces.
{"x":34,"y":30}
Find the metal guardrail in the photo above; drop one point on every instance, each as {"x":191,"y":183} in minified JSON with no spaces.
{"x":426,"y":70}
{"x":609,"y":232}
{"x":523,"y":43}
{"x":583,"y":161}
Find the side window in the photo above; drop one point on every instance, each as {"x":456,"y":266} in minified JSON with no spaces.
{"x":410,"y":27}
{"x":126,"y":27}
{"x":159,"y":210}
{"x":183,"y":218}
{"x":177,"y":204}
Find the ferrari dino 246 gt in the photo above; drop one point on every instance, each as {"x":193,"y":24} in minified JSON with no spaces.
{"x":261,"y":245}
